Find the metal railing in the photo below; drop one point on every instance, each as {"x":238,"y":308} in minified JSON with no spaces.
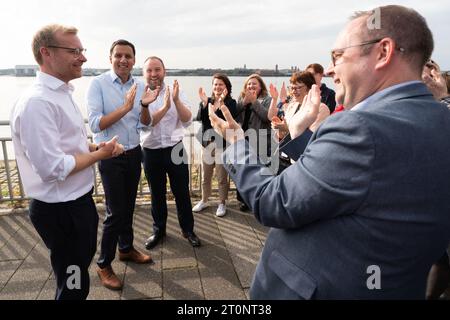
{"x":11,"y":188}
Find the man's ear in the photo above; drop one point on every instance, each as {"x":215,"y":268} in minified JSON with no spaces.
{"x":44,"y":52}
{"x":385,"y":52}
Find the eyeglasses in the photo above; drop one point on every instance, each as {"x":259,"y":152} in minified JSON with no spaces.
{"x":294,"y":88}
{"x":75,"y":51}
{"x":337,"y":53}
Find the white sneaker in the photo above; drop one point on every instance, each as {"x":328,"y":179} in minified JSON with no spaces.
{"x":200,"y":206}
{"x":221,"y":210}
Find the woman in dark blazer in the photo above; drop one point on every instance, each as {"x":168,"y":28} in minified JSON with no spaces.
{"x":213,"y":144}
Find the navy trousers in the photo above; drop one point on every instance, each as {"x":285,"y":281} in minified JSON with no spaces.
{"x":69,"y":230}
{"x":120,"y":178}
{"x":157,"y":165}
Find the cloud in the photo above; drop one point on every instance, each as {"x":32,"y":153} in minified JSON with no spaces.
{"x":202,"y":33}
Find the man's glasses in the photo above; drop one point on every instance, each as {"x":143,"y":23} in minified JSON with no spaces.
{"x":337,"y":53}
{"x":75,"y":51}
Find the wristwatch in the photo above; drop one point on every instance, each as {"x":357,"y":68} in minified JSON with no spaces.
{"x":143,"y":105}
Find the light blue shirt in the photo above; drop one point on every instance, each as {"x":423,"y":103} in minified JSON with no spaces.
{"x":380,"y":94}
{"x":105,"y":94}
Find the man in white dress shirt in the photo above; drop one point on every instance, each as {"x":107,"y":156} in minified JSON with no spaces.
{"x":55,"y":159}
{"x":167,"y":117}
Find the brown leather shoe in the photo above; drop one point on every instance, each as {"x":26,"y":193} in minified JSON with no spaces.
{"x":109,"y":278}
{"x":135,"y":256}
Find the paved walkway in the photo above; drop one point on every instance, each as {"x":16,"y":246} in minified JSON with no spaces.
{"x":221,"y":268}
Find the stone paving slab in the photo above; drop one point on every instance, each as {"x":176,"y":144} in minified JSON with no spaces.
{"x":182,"y":284}
{"x":242,"y":244}
{"x":219,"y":269}
{"x":142,"y":282}
{"x":30,"y":278}
{"x":216,"y":269}
{"x":8,"y":227}
{"x":7,"y":269}
{"x":48,"y":292}
{"x":20,"y":242}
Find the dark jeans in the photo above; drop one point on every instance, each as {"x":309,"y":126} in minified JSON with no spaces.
{"x":120,"y":178}
{"x":69,"y":230}
{"x":157,"y":164}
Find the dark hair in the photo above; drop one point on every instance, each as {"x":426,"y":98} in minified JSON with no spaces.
{"x":122,"y":42}
{"x":316,"y":67}
{"x":155,"y":58}
{"x":305,"y":77}
{"x":406,"y":27}
{"x":225,"y":80}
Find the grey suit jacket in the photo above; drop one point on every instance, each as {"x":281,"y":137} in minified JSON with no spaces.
{"x":372,"y":188}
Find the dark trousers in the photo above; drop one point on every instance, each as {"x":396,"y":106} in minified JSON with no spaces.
{"x":157,"y":164}
{"x":120,"y":178}
{"x":69,"y":230}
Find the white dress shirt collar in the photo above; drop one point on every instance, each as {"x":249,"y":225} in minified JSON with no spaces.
{"x":52,"y":82}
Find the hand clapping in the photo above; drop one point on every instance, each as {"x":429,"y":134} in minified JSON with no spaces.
{"x":229,"y":129}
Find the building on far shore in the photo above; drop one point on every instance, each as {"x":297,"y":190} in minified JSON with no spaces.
{"x":25,"y":70}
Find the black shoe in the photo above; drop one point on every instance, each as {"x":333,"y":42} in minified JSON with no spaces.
{"x":243,"y":207}
{"x":192,"y":238}
{"x":154,"y":239}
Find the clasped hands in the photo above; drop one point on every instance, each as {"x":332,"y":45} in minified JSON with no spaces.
{"x":110,"y":149}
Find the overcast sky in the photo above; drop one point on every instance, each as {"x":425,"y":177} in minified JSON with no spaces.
{"x":201,"y":33}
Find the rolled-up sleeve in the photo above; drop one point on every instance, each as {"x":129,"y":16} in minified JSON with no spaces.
{"x":94,"y":100}
{"x":41,"y":143}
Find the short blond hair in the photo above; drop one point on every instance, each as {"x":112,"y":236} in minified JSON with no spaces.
{"x":45,"y":37}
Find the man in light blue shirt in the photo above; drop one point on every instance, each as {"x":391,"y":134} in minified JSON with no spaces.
{"x":113,"y":110}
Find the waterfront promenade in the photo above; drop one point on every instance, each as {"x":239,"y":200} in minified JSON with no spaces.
{"x":222,"y":268}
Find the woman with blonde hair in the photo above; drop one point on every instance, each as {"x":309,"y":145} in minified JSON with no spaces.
{"x":252,"y":108}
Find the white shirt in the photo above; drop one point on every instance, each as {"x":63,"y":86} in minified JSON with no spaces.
{"x":47,"y":130}
{"x":170,"y":130}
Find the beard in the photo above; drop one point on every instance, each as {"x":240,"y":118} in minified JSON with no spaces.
{"x":153,"y":84}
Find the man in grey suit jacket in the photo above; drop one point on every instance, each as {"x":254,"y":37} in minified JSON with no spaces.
{"x":365,"y":211}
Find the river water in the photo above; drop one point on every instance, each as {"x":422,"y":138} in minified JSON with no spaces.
{"x":11,"y":88}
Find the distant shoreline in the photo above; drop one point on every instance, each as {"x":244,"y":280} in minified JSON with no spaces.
{"x":237,"y":72}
